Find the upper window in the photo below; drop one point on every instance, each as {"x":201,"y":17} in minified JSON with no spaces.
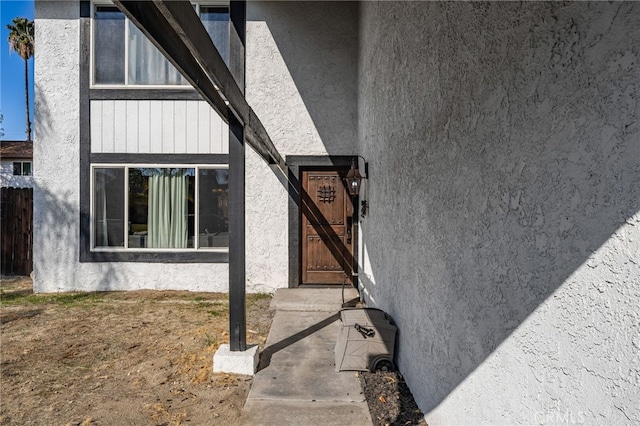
{"x":122,"y":55}
{"x":151,"y":208}
{"x":22,"y":168}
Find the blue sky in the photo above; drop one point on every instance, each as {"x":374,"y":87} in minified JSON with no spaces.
{"x":12,"y":73}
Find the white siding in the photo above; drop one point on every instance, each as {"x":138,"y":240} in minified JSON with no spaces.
{"x":161,"y":127}
{"x":179,"y":130}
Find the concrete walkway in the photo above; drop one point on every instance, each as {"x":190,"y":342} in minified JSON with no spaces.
{"x":296,"y":383}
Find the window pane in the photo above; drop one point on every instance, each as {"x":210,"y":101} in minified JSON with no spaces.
{"x":216,"y":22}
{"x":213,"y":193}
{"x":26,"y":168}
{"x":17,"y":168}
{"x":147,"y":66}
{"x":109,"y":45}
{"x":161,"y":207}
{"x":108,"y":206}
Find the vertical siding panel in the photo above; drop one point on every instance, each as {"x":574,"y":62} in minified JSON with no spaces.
{"x":192,"y":127}
{"x":216,"y":132}
{"x":107,"y":126}
{"x":133,"y":122}
{"x":96,"y":126}
{"x":204,"y":135}
{"x":155,"y":127}
{"x":168,"y":124}
{"x":120,"y":126}
{"x":143,"y":127}
{"x":180,"y":127}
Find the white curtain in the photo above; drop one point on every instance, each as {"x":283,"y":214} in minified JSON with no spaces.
{"x":146,"y":64}
{"x":168,"y":214}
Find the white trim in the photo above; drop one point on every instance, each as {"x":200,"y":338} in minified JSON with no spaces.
{"x":92,"y":200}
{"x":126,"y":166}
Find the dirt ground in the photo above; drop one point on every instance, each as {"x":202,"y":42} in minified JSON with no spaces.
{"x":138,"y":358}
{"x":390,"y":401}
{"x":125,"y":358}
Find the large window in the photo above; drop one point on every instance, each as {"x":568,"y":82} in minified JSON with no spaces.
{"x":151,"y":208}
{"x":122,"y":55}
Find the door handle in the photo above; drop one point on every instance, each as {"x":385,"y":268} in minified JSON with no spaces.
{"x":349,"y":232}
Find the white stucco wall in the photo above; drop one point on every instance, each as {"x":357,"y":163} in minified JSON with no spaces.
{"x":56,"y":193}
{"x":301,"y":80}
{"x":504,"y":226}
{"x":8,"y":180}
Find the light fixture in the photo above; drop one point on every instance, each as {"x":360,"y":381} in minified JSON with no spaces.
{"x":354,"y":178}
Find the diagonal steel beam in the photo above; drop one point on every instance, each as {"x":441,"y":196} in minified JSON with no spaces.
{"x":176,"y":30}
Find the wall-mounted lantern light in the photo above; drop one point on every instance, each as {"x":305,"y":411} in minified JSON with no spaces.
{"x":354,"y":178}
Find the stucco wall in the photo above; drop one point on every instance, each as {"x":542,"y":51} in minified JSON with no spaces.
{"x":301,"y":80}
{"x":504,"y":226}
{"x":56,"y":193}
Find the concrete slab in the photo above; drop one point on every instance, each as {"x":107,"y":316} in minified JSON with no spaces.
{"x":269,"y":412}
{"x":238,"y":362}
{"x":296,"y":382}
{"x":312,"y":299}
{"x":299,"y":325}
{"x":298,"y":361}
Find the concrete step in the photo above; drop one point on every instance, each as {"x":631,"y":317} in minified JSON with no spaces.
{"x":313,"y":299}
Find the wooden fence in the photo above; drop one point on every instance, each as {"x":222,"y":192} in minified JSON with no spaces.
{"x":16,"y":223}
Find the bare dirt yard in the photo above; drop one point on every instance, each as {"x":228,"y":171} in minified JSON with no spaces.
{"x":119,"y":358}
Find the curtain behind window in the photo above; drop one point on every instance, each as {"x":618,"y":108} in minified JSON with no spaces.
{"x":146,"y":64}
{"x":168,"y":214}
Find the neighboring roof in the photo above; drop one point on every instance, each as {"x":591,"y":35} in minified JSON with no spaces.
{"x":16,"y":149}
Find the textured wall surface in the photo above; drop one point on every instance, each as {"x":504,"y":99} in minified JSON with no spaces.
{"x":301,"y":80}
{"x":157,"y":127}
{"x":56,"y":193}
{"x":504,"y":225}
{"x":8,"y":180}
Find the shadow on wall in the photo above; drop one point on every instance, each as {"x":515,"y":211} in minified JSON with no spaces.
{"x":519,"y":161}
{"x":56,"y":248}
{"x":318,"y":42}
{"x":42,"y":114}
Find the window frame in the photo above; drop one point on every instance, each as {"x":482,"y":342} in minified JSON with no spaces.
{"x":126,"y":85}
{"x":144,"y":250}
{"x":22,"y":163}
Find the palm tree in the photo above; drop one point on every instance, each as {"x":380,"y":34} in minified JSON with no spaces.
{"x":21,"y":40}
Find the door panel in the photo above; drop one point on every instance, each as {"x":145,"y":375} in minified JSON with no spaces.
{"x":327,"y":228}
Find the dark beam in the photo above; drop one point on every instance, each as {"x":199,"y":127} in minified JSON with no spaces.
{"x":237,"y":33}
{"x":237,"y":273}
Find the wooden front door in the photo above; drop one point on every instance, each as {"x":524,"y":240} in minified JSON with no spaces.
{"x":328,"y":228}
